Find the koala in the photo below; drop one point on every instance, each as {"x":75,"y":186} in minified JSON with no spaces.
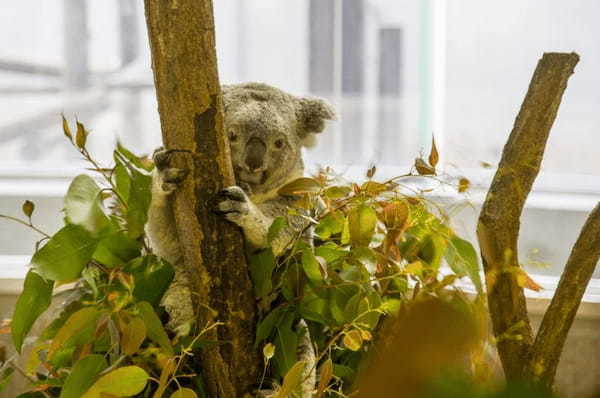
{"x":267,"y":130}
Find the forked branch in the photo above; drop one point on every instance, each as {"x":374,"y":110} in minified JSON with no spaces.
{"x":498,"y":227}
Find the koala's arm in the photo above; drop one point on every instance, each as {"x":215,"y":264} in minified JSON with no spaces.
{"x":161,"y":231}
{"x":255,"y":219}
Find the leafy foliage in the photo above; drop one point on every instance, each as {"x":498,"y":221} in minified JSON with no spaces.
{"x":108,"y":338}
{"x":376,"y":248}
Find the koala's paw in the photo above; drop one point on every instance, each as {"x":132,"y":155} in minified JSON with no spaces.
{"x":169,"y":178}
{"x":233,"y":204}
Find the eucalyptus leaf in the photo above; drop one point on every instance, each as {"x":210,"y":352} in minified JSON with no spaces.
{"x":65,"y":254}
{"x":83,"y":204}
{"x":262,"y":265}
{"x":361,"y":223}
{"x":121,"y":382}
{"x":82,"y":376}
{"x":154,"y":327}
{"x":311,"y":266}
{"x":463,"y":260}
{"x":116,"y":249}
{"x":152,"y":277}
{"x":33,"y":301}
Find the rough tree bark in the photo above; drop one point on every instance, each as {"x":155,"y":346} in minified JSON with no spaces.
{"x":182,"y":41}
{"x":498,"y":227}
{"x":559,"y":316}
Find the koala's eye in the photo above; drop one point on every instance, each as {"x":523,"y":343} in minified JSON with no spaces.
{"x":279,"y":143}
{"x":232,"y":136}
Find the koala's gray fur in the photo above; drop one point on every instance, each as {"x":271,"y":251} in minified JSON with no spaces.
{"x":267,"y":129}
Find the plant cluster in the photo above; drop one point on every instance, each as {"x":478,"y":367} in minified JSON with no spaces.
{"x":375,"y":247}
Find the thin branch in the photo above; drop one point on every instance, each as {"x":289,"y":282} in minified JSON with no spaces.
{"x":27,"y":224}
{"x":559,"y":316}
{"x":498,"y":227}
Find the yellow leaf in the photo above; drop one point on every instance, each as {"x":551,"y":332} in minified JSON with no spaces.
{"x":300,"y":186}
{"x":269,"y":351}
{"x":292,"y":380}
{"x":121,"y":382}
{"x":324,"y":377}
{"x":353,"y":340}
{"x":81,"y":321}
{"x":184,"y":393}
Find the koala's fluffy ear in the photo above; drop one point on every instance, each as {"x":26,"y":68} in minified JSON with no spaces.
{"x":311,"y":114}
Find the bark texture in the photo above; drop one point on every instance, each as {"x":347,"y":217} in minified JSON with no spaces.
{"x":559,"y":317}
{"x":182,"y":41}
{"x":498,"y":226}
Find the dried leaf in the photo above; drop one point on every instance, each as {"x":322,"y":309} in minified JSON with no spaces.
{"x":80,"y":135}
{"x":485,"y":165}
{"x":423,"y":168}
{"x":66,"y":129}
{"x":463,"y":184}
{"x":28,"y":208}
{"x":526,"y":282}
{"x":434,"y":156}
{"x":371,"y":171}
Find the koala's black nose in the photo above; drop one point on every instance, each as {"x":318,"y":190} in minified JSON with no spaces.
{"x":255,"y":154}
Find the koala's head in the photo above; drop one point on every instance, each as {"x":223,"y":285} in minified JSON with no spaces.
{"x":267,"y":129}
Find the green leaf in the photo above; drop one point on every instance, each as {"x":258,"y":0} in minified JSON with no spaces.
{"x":286,"y":343}
{"x":5,"y":378}
{"x":139,"y":202}
{"x":83,"y":204}
{"x":268,"y":324}
{"x":433,"y":249}
{"x":121,"y":382}
{"x":463,"y":260}
{"x":331,"y":224}
{"x":152,"y":277}
{"x":116,"y":249}
{"x":154,"y":327}
{"x":311,"y":266}
{"x":262,"y":265}
{"x":135,"y":160}
{"x":275,"y":229}
{"x":314,"y":304}
{"x":65,"y":254}
{"x":33,"y":301}
{"x":82,"y":376}
{"x":122,"y":180}
{"x":78,"y":329}
{"x":361,"y":223}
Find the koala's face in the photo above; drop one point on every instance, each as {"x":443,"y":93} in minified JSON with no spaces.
{"x":267,"y":129}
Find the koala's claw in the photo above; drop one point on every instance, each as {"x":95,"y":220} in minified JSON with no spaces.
{"x":234,"y":193}
{"x":232,"y":202}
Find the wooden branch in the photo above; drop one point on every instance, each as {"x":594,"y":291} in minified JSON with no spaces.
{"x":182,"y":41}
{"x":559,"y":316}
{"x":498,"y":226}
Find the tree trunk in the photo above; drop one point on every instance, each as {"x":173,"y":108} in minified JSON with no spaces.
{"x":182,"y":41}
{"x":498,"y":227}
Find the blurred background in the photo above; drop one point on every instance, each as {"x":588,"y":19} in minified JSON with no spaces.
{"x":397,"y":71}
